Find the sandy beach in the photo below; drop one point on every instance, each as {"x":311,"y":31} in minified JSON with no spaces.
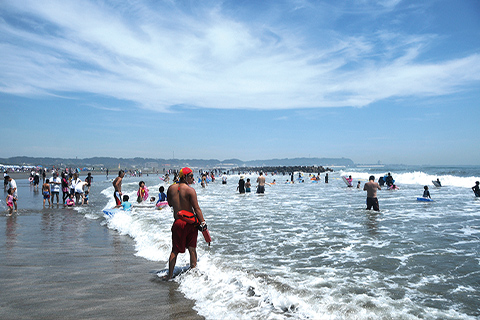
{"x":58,"y":265}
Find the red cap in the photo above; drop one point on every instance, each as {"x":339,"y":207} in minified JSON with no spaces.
{"x":184,"y":171}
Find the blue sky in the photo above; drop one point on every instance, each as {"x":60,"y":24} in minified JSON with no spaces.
{"x":391,"y":81}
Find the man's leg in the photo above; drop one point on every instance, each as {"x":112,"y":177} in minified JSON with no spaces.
{"x":193,"y":257}
{"x":171,"y":264}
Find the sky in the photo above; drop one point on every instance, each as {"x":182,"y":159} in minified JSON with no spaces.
{"x":387,"y":80}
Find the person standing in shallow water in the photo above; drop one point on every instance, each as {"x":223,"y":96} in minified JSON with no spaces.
{"x":248,"y":185}
{"x":241,"y":185}
{"x":371,"y":187}
{"x":13,"y":185}
{"x":182,"y":197}
{"x":261,"y":183}
{"x":476,"y":189}
{"x":117,"y":185}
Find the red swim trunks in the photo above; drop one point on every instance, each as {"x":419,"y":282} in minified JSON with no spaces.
{"x":118,"y":198}
{"x":183,"y":235}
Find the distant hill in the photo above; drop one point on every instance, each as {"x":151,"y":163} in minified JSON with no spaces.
{"x":141,"y":163}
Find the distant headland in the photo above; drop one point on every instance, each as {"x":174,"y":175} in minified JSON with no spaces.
{"x":97,"y":163}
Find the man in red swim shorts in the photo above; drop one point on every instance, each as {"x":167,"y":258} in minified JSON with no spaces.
{"x":117,"y":185}
{"x":184,"y":235}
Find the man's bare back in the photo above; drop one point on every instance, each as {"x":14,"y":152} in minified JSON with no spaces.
{"x":183,"y":197}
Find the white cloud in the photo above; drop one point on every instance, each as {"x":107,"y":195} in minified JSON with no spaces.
{"x":167,"y":57}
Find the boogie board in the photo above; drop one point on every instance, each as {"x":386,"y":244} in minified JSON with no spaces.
{"x":346,"y":182}
{"x":110,"y":212}
{"x":424,"y":199}
{"x":176,"y":271}
{"x":436,"y":183}
{"x":144,"y":205}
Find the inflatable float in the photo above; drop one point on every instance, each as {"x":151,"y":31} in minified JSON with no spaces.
{"x":161,"y":204}
{"x":424,"y":199}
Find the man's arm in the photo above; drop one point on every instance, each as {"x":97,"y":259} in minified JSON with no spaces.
{"x":195,"y":206}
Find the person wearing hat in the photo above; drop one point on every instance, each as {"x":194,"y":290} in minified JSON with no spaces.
{"x":181,"y":197}
{"x":5,"y":180}
{"x":241,"y":184}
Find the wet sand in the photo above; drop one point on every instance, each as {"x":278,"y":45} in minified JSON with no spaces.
{"x":56,"y":264}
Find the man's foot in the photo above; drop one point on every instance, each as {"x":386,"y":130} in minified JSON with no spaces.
{"x":166,"y":278}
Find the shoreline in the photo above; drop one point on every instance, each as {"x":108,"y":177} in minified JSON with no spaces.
{"x":59,"y":265}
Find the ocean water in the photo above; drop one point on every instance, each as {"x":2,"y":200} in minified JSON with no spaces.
{"x":312,"y":251}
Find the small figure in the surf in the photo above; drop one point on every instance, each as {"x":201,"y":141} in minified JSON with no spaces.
{"x":476,"y":189}
{"x":248,"y":185}
{"x":166,"y":178}
{"x":349,"y":180}
{"x":381,"y":181}
{"x":86,"y":197}
{"x":389,"y":180}
{"x":9,"y":201}
{"x":127,"y":206}
{"x":161,"y":196}
{"x":88,"y":181}
{"x":224,"y":178}
{"x":142,"y":193}
{"x":426,"y":193}
{"x":46,"y":191}
{"x":438,"y":183}
{"x":326,"y":177}
{"x":393,"y":187}
{"x":36,"y":181}
{"x":241,"y":185}
{"x":358,"y":185}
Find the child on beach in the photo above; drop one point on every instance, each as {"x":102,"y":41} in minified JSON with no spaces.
{"x":127,"y":206}
{"x":70,"y":202}
{"x":142,"y":192}
{"x":88,"y":180}
{"x":426,"y":193}
{"x":9,"y":201}
{"x":85,"y":197}
{"x":46,"y":192}
{"x":358,"y":185}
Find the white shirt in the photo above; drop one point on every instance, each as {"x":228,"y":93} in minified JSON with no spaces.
{"x":12,"y":185}
{"x":55,"y":187}
{"x":78,"y":185}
